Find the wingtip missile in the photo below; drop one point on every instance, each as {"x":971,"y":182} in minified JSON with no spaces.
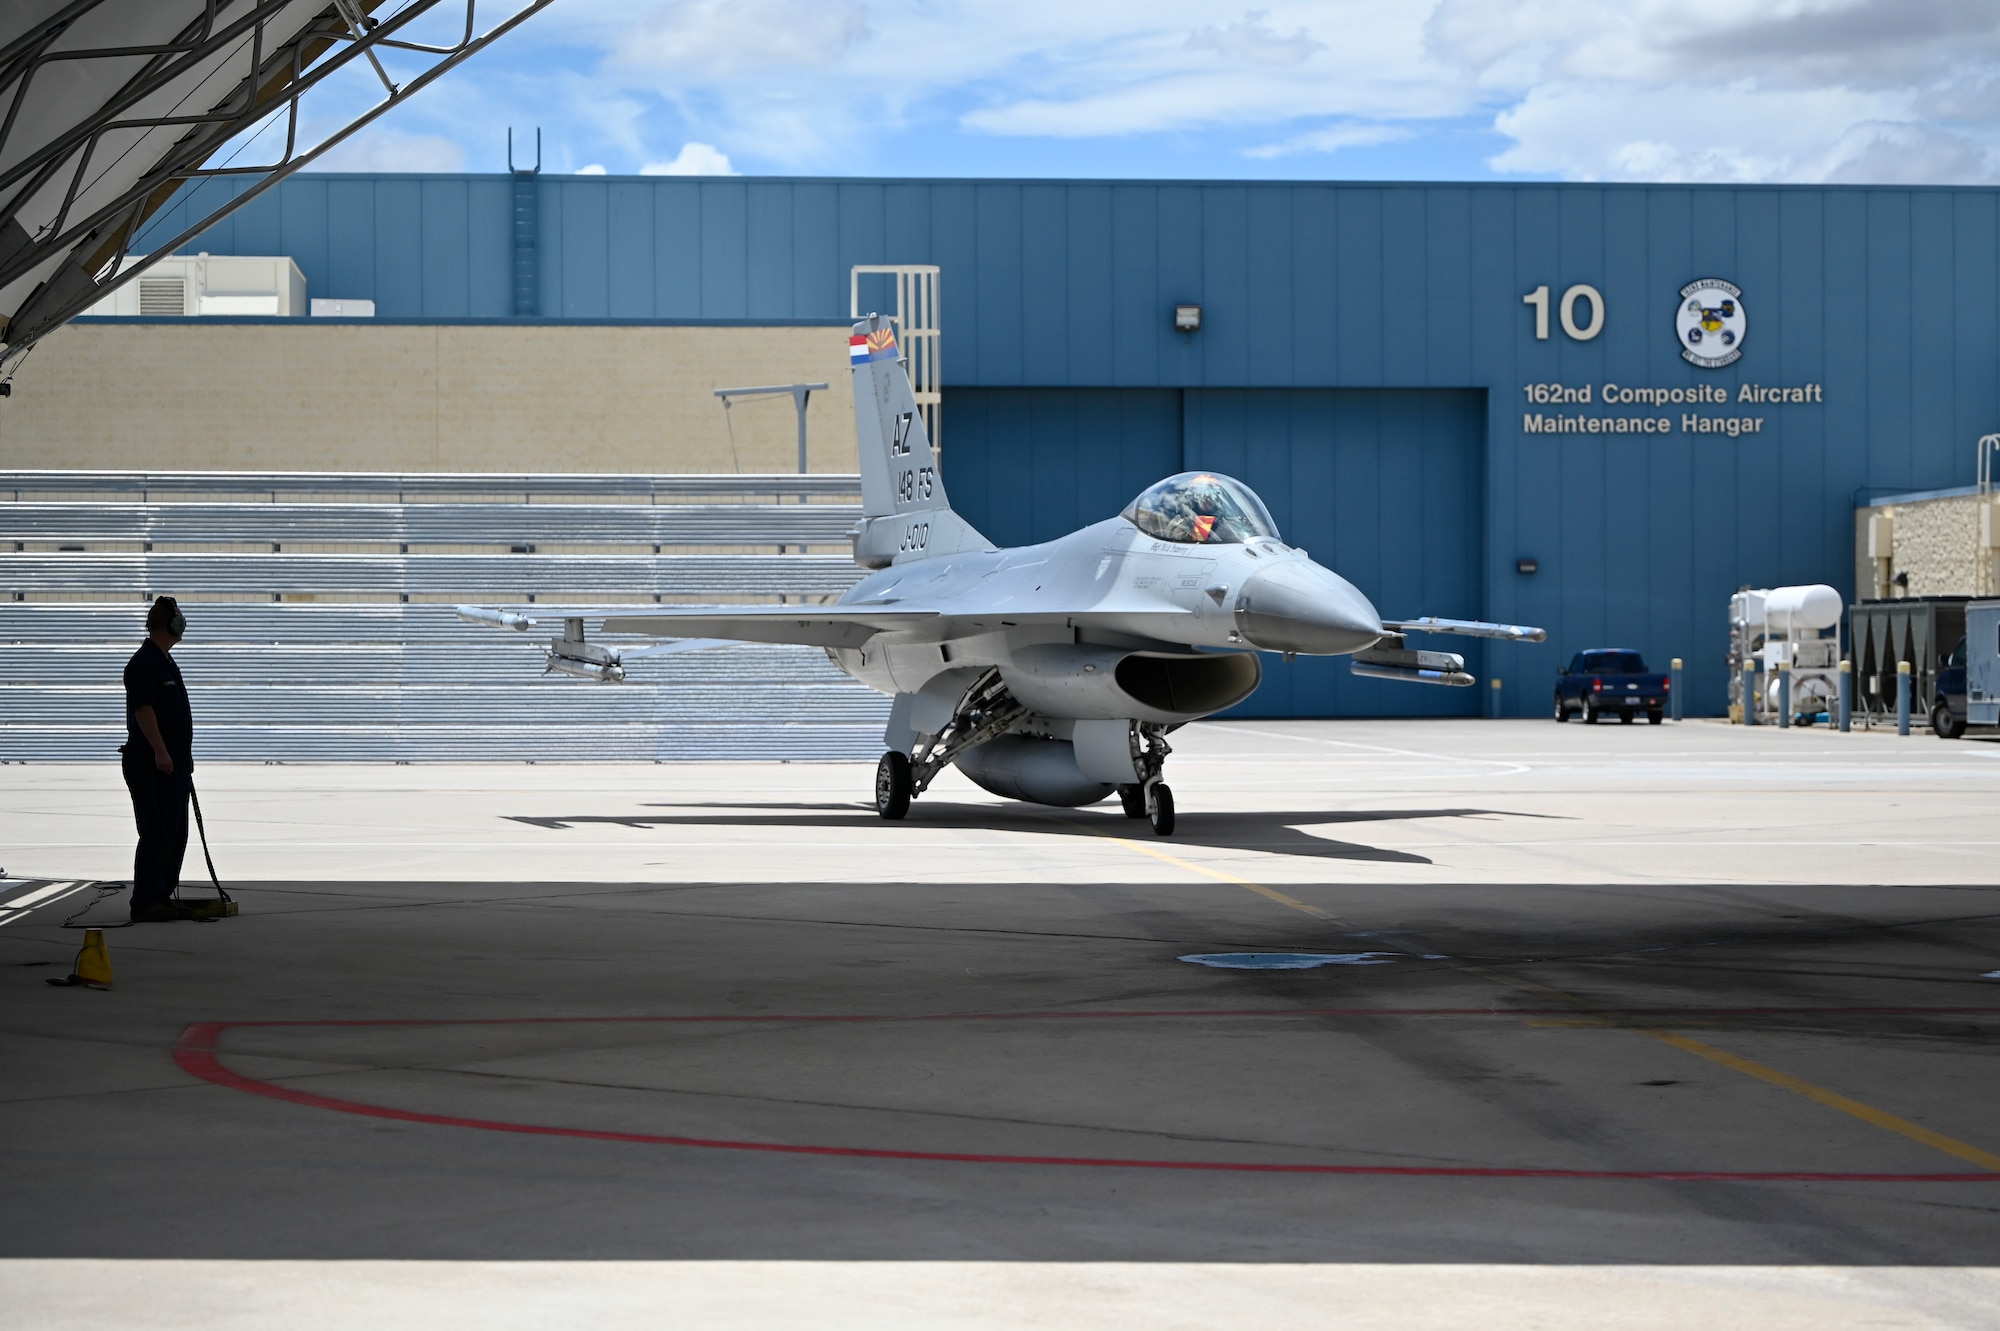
{"x":1469,"y":628}
{"x":505,"y":619}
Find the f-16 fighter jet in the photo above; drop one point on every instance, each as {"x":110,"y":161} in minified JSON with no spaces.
{"x":1049,"y":673}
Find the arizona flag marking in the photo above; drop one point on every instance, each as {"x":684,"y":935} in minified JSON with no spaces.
{"x":878,"y":345}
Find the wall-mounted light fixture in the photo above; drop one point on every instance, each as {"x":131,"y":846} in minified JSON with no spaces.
{"x":1187,"y":318}
{"x":1525,"y":565}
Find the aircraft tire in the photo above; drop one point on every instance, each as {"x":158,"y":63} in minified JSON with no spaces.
{"x":1163,"y":810}
{"x":892,"y":785}
{"x":1133,"y":798}
{"x":1562,"y":712}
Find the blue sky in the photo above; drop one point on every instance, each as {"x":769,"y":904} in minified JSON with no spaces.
{"x":1866,"y":91}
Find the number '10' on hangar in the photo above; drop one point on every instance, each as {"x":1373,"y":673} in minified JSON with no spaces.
{"x":1050,"y":673}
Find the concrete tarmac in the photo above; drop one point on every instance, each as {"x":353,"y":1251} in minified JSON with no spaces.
{"x":1627,"y":1026}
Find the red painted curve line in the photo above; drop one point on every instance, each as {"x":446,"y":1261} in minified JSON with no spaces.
{"x":195,"y":1053}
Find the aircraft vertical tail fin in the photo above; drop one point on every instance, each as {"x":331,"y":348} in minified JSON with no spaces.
{"x":902,"y":495}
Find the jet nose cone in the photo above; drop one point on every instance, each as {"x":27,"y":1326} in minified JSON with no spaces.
{"x":1297,"y":606}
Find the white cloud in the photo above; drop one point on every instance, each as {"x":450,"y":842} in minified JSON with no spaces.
{"x":714,"y":40}
{"x":695,"y":159}
{"x":594,"y":169}
{"x":380,"y":149}
{"x":1723,"y":90}
{"x":806,"y":81}
{"x":1254,"y":41}
{"x":1749,"y":90}
{"x":1332,"y":139}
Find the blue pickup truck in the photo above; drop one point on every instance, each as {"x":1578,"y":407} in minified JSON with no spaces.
{"x":1608,"y":680}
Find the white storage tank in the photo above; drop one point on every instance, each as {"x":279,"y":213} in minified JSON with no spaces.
{"x":1790,"y":609}
{"x":1786,"y":609}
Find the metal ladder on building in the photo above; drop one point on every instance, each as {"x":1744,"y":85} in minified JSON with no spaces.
{"x":916,"y":319}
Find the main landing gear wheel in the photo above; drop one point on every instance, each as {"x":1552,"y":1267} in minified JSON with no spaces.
{"x":1163,"y":810}
{"x":892,"y":785}
{"x":1562,"y":712}
{"x":1134,"y":800}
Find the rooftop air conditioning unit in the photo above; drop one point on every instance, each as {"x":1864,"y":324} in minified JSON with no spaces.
{"x":209,"y":284}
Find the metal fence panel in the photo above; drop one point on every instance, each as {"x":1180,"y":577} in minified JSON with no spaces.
{"x":316,"y":680}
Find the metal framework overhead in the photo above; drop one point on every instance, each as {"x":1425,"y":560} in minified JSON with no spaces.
{"x":109,"y":107}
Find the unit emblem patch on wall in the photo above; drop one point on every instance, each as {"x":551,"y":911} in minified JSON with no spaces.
{"x":1711,"y":323}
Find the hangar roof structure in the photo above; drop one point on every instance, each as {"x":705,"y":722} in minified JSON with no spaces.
{"x":109,"y":107}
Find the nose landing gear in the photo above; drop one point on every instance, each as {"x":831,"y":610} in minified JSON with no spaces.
{"x":1153,"y":802}
{"x":1150,"y":799}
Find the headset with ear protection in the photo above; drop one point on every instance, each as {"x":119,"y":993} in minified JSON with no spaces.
{"x":165,"y":613}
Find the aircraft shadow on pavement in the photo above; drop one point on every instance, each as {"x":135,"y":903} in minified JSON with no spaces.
{"x":1276,"y":833}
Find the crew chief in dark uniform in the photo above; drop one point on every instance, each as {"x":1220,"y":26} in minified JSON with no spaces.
{"x":158,"y":762}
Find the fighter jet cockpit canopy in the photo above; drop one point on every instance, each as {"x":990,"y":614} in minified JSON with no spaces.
{"x":1201,"y":508}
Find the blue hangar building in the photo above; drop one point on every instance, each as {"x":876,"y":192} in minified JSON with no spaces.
{"x":1596,"y":408}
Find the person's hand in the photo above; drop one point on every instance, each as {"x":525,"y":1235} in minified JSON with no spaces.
{"x":162,"y":762}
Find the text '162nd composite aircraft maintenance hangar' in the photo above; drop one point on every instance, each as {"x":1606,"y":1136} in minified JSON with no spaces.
{"x":817,"y":969}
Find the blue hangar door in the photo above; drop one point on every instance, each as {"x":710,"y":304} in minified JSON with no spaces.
{"x":1386,"y":486}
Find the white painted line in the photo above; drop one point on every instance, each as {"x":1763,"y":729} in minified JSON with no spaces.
{"x":22,"y":907}
{"x":40,"y":894}
{"x":1510,"y":768}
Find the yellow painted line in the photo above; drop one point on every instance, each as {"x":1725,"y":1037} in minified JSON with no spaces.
{"x":1831,"y":1099}
{"x":1783,"y":1080}
{"x":1223,"y":875}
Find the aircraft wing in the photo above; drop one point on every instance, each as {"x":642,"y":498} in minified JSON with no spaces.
{"x":806,"y":626}
{"x":701,"y":627}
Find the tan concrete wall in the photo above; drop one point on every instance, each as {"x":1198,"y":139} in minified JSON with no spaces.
{"x":1936,"y":543}
{"x":398,"y":397}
